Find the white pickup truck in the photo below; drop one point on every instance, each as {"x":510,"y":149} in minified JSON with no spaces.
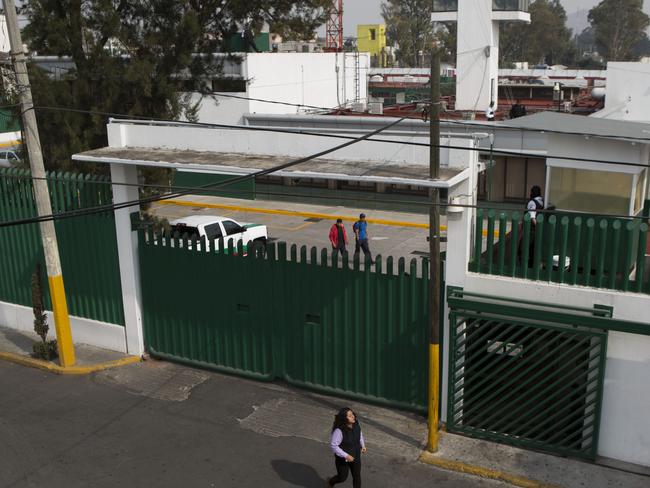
{"x":214,"y":227}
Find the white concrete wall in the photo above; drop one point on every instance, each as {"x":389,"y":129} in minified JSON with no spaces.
{"x":84,"y":331}
{"x":287,"y":144}
{"x":624,"y":427}
{"x":628,"y":92}
{"x":221,"y":109}
{"x":303,"y":78}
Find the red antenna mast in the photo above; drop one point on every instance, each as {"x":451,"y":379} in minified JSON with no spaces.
{"x":334,"y":29}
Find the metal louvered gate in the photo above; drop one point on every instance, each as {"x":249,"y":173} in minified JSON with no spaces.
{"x":530,"y":377}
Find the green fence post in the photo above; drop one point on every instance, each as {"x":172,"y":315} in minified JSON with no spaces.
{"x":475,"y":265}
{"x":514,"y":242}
{"x":601,"y":239}
{"x":490,"y":241}
{"x":613,"y":272}
{"x":575,"y":251}
{"x":564,"y":241}
{"x":503,"y":227}
{"x":525,"y":245}
{"x":640,"y":257}
{"x":539,"y":236}
{"x":550,"y":250}
{"x":628,"y":239}
{"x":589,"y":249}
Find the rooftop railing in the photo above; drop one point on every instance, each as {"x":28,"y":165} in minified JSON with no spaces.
{"x":497,"y":5}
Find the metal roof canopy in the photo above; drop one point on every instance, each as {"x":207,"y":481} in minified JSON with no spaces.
{"x":578,"y":124}
{"x":246,"y":164}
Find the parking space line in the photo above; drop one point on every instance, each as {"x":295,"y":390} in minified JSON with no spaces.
{"x":296,"y":213}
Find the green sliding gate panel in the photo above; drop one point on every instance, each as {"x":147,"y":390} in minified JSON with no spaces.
{"x":289,"y":314}
{"x":87,"y":244}
{"x":533,"y":383}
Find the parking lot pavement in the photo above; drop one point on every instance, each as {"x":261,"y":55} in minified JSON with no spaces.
{"x":396,"y":234}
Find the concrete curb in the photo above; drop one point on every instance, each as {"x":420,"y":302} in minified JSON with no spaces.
{"x":76,"y":370}
{"x":513,"y":479}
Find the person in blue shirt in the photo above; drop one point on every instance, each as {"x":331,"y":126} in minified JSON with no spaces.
{"x":360,"y":228}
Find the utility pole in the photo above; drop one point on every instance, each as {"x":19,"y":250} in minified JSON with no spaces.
{"x":434,"y":253}
{"x":43,"y":204}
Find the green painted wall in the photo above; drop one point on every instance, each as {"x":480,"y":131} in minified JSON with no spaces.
{"x":244,"y":189}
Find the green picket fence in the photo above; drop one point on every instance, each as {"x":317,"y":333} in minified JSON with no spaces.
{"x":308,"y":317}
{"x":87,"y":244}
{"x":577,"y":250}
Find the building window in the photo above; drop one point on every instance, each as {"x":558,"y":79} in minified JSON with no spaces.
{"x":229,"y":85}
{"x":445,"y":5}
{"x":639,"y":196}
{"x":372,"y":34}
{"x":599,"y":192}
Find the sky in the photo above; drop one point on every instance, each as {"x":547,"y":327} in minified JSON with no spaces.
{"x":368,"y":12}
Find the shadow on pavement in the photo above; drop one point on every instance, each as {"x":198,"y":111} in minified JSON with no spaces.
{"x":297,"y":474}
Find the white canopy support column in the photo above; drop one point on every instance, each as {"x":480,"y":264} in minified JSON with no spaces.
{"x":127,"y":248}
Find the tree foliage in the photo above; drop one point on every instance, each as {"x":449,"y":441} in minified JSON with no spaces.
{"x":134,"y":57}
{"x":619,"y":27}
{"x":546,"y":40}
{"x":408,"y":24}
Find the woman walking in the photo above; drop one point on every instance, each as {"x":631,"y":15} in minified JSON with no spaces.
{"x":347,"y":445}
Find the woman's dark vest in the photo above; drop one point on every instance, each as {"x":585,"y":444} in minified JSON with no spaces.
{"x":351,"y":442}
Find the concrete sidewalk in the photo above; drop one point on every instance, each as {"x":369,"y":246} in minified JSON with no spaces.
{"x":16,"y":346}
{"x":532,"y":469}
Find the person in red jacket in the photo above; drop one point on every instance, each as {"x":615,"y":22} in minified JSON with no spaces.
{"x":338,"y":237}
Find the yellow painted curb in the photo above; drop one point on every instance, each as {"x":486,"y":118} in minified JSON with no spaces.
{"x":429,"y":458}
{"x":296,"y":213}
{"x":55,"y":368}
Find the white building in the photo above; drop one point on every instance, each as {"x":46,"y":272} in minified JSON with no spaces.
{"x":628,"y":92}
{"x":308,"y":82}
{"x":477,"y":50}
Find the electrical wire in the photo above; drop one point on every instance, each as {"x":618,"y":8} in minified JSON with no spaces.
{"x":502,"y":152}
{"x":237,"y":179}
{"x":189,"y":190}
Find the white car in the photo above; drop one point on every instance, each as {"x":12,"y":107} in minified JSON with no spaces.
{"x":8,"y":159}
{"x":214,"y":227}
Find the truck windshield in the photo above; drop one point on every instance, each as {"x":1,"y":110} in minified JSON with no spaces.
{"x":185,"y":231}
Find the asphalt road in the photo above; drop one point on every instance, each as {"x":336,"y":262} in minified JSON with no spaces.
{"x":159,"y":424}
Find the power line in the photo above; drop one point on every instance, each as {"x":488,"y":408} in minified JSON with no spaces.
{"x":188,"y":190}
{"x":132,"y":203}
{"x":503,"y":152}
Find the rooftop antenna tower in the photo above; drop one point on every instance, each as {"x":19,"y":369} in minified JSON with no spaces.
{"x":334,"y":28}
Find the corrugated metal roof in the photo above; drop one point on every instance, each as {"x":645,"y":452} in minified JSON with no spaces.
{"x":577,"y":124}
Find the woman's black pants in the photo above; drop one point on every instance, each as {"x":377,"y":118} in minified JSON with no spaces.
{"x":342,"y":469}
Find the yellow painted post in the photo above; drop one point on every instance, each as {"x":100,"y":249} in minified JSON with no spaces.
{"x":434,"y":254}
{"x":41,"y":192}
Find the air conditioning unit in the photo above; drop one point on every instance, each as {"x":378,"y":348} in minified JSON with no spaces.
{"x":376,"y":108}
{"x":358,"y":107}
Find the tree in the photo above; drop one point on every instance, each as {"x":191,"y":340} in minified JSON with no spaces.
{"x":408,"y":24}
{"x":546,"y":40}
{"x":619,"y":26}
{"x":136,"y":58}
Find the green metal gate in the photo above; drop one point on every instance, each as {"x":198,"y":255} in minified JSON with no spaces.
{"x":290,"y":314}
{"x":528,"y":376}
